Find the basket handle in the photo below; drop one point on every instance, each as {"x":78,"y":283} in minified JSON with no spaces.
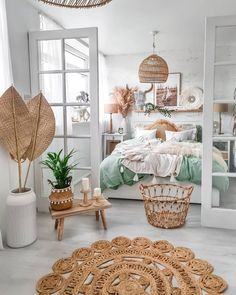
{"x":141,"y":188}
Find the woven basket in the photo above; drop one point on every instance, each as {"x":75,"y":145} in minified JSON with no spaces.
{"x":166,"y":205}
{"x":61,"y":199}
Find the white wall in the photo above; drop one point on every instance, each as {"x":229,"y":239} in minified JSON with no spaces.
{"x":123,"y":69}
{"x":21,"y":18}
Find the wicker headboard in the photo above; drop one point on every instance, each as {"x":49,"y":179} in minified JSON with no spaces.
{"x":186,"y":121}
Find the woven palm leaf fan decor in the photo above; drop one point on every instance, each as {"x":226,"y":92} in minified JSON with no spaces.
{"x":77,"y":3}
{"x":43,"y":128}
{"x":26,"y":130}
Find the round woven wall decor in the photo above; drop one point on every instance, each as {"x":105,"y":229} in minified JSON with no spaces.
{"x":77,"y":3}
{"x":191,"y":98}
{"x":131,"y":267}
{"x":153,"y":69}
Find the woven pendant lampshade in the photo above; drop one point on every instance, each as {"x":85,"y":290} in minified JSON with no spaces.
{"x":77,"y":3}
{"x":154,"y":68}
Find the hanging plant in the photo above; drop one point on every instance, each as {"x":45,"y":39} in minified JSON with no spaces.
{"x":125,"y":99}
{"x":150,"y":107}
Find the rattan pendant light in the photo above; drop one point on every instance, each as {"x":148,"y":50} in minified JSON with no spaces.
{"x":154,"y":68}
{"x":77,"y":3}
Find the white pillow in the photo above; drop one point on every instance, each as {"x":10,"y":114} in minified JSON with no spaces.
{"x":186,"y":126}
{"x":143,"y":134}
{"x":189,"y":134}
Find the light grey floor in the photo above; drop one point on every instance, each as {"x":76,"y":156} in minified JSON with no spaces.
{"x":20,"y":269}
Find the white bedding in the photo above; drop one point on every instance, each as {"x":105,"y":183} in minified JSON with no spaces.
{"x":161,"y":159}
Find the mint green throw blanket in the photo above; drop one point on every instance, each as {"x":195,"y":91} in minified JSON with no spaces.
{"x":113,"y":174}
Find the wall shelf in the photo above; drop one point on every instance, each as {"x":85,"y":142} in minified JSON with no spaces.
{"x":175,"y":111}
{"x":223,"y":137}
{"x":229,"y":101}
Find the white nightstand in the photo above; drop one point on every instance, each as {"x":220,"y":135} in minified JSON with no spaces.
{"x":110,"y":140}
{"x":224,"y":143}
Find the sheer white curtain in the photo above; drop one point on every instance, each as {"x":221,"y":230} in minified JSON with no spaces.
{"x":5,"y":82}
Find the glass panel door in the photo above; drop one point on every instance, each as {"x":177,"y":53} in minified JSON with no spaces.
{"x":219,"y":138}
{"x":64,"y":66}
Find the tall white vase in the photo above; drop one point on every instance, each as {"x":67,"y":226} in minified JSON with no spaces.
{"x":21,"y":219}
{"x":124,"y":125}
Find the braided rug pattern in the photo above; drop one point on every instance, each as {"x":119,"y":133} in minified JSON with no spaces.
{"x":131,"y":267}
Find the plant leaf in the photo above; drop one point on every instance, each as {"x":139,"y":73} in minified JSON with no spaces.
{"x":43,"y":126}
{"x":15,"y":123}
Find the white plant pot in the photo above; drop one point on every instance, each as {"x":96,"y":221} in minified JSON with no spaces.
{"x":21,"y":219}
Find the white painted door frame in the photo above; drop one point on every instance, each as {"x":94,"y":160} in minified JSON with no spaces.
{"x":92,"y":35}
{"x":212,"y":216}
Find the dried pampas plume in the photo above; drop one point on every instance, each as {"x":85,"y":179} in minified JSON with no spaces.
{"x":124,"y":97}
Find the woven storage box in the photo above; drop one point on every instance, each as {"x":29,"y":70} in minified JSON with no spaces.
{"x":166,"y":205}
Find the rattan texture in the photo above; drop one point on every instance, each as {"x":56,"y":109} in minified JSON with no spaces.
{"x":131,"y":267}
{"x":166,"y":205}
{"x":153,"y":69}
{"x":77,"y":3}
{"x":43,"y":125}
{"x":15,"y":123}
{"x":61,"y":199}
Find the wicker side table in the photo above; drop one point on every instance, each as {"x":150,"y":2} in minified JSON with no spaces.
{"x":59,"y":216}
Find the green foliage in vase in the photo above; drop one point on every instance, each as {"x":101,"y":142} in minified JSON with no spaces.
{"x":60,"y":167}
{"x":150,"y":107}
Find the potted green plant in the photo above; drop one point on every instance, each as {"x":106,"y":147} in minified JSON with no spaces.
{"x":26,"y":130}
{"x":61,"y":196}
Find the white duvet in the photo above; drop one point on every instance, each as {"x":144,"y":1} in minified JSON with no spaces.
{"x":162,"y":159}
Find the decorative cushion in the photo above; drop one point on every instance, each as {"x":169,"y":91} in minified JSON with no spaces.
{"x":143,"y":134}
{"x":185,"y":135}
{"x":161,"y":126}
{"x":198,"y":128}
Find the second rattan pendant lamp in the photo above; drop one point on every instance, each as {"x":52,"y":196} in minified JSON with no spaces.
{"x":77,"y":3}
{"x":154,"y":68}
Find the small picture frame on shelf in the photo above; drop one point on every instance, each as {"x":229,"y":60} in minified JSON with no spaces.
{"x":167,"y":94}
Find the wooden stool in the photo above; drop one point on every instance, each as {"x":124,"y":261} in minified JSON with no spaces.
{"x":59,"y":216}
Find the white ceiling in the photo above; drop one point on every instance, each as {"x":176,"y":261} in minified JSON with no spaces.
{"x":124,"y":25}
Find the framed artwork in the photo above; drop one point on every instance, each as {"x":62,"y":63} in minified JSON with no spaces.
{"x":167,"y":94}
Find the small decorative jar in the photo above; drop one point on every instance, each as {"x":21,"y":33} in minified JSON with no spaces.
{"x":120,"y":130}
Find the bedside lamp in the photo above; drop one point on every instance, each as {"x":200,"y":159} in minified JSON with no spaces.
{"x":220,"y":108}
{"x":110,"y":108}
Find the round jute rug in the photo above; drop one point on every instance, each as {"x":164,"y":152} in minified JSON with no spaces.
{"x":131,"y":267}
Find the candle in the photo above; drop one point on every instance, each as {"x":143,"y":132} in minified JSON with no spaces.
{"x":85,"y":184}
{"x":97,"y":192}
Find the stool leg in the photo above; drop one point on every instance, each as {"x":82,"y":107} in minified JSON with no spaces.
{"x":97,"y":215}
{"x":56,"y":224}
{"x":102,"y":212}
{"x":60,"y":229}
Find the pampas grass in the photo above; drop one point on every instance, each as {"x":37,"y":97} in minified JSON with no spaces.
{"x":124,"y":97}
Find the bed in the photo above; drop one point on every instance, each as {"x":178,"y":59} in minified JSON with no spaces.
{"x":159,"y":158}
